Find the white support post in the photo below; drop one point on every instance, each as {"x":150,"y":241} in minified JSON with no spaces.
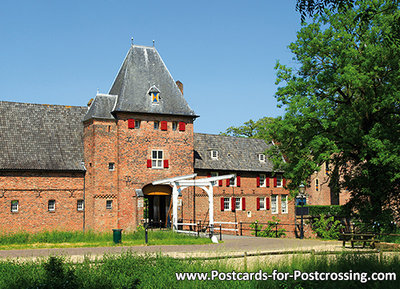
{"x":209,"y":191}
{"x":175,"y":194}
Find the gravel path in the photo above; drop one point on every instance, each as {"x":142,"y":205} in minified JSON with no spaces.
{"x":230,"y":245}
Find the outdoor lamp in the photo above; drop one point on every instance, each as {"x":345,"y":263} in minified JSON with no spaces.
{"x":302,"y":189}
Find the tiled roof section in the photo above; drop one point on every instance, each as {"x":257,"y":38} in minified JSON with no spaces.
{"x":142,"y":69}
{"x":101,"y":107}
{"x":40,"y":136}
{"x":234,"y":153}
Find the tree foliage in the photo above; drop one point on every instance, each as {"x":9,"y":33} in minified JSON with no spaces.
{"x":312,"y":7}
{"x":342,"y":105}
{"x":252,"y":129}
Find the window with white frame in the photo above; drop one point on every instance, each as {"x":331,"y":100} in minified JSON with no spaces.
{"x":274,"y":204}
{"x":214,"y":174}
{"x":156,"y":124}
{"x":262,"y":180}
{"x":174,"y":125}
{"x":284,"y":204}
{"x":261,"y":158}
{"x":157,"y":159}
{"x":51,"y":205}
{"x":109,"y":204}
{"x":232,"y":181}
{"x":262,"y":203}
{"x":238,"y":203}
{"x":227,"y":204}
{"x":14,"y":206}
{"x":80,"y":205}
{"x":111,"y":167}
{"x":279,"y":181}
{"x":214,"y":154}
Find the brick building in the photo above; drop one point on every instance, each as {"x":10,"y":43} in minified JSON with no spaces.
{"x":75,"y":168}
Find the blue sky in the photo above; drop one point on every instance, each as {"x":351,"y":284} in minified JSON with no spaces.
{"x":224,"y":52}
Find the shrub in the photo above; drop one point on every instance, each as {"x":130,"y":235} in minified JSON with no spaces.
{"x":270,"y":231}
{"x":327,"y":228}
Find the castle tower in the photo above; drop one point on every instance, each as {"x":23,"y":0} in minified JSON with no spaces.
{"x":140,"y":132}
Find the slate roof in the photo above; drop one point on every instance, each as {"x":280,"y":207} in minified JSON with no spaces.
{"x":41,"y":136}
{"x":101,"y":107}
{"x":142,"y":69}
{"x":234,"y":153}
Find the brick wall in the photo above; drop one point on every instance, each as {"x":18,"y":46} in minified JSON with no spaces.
{"x":320,"y":193}
{"x":130,"y":148}
{"x":33,"y":190}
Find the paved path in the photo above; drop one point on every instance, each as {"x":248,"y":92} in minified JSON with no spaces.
{"x":230,"y":245}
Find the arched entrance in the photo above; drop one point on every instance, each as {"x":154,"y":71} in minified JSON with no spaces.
{"x":157,"y":207}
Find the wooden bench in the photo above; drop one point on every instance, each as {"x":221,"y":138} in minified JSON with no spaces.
{"x":360,"y":237}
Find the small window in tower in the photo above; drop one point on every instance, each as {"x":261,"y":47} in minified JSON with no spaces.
{"x":157,"y":159}
{"x":137,"y":124}
{"x":109,"y":204}
{"x":154,"y":93}
{"x":155,"y":97}
{"x":174,"y":125}
{"x":111,"y":167}
{"x":317,"y":185}
{"x":14,"y":206}
{"x":51,"y":205}
{"x":80,"y":205}
{"x":156,"y":124}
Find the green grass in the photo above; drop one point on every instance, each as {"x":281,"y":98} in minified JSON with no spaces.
{"x":133,"y":271}
{"x":58,"y":239}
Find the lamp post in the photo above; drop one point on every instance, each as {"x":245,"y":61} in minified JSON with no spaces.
{"x":301,"y":199}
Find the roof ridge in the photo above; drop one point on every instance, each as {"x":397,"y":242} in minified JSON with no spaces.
{"x":229,"y":136}
{"x":42,"y":104}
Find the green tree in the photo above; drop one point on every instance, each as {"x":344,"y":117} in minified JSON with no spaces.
{"x":342,"y":105}
{"x":252,"y":129}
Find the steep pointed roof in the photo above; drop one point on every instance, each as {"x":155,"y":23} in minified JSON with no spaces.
{"x":101,"y":107}
{"x":141,"y":70}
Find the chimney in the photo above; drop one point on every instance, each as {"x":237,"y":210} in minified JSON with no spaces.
{"x":180,"y":85}
{"x":90,"y":102}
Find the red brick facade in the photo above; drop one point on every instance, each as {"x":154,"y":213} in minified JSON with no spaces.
{"x":33,"y":191}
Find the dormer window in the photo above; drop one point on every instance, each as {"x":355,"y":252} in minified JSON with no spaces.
{"x":214,"y":154}
{"x":154,"y":93}
{"x":261,"y":158}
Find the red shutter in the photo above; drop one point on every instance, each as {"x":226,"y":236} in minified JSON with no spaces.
{"x":222,"y":204}
{"x":166,"y":164}
{"x":258,"y":204}
{"x":209,"y":176}
{"x":284,"y":182}
{"x":258,"y":181}
{"x":238,"y":181}
{"x":233,"y":204}
{"x":267,"y":182}
{"x":163,"y":125}
{"x":275,"y":182}
{"x":244,"y":204}
{"x":182,"y":126}
{"x":220,"y":183}
{"x":228,"y":182}
{"x":267,"y":203}
{"x":131,"y":123}
{"x":149,"y":163}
